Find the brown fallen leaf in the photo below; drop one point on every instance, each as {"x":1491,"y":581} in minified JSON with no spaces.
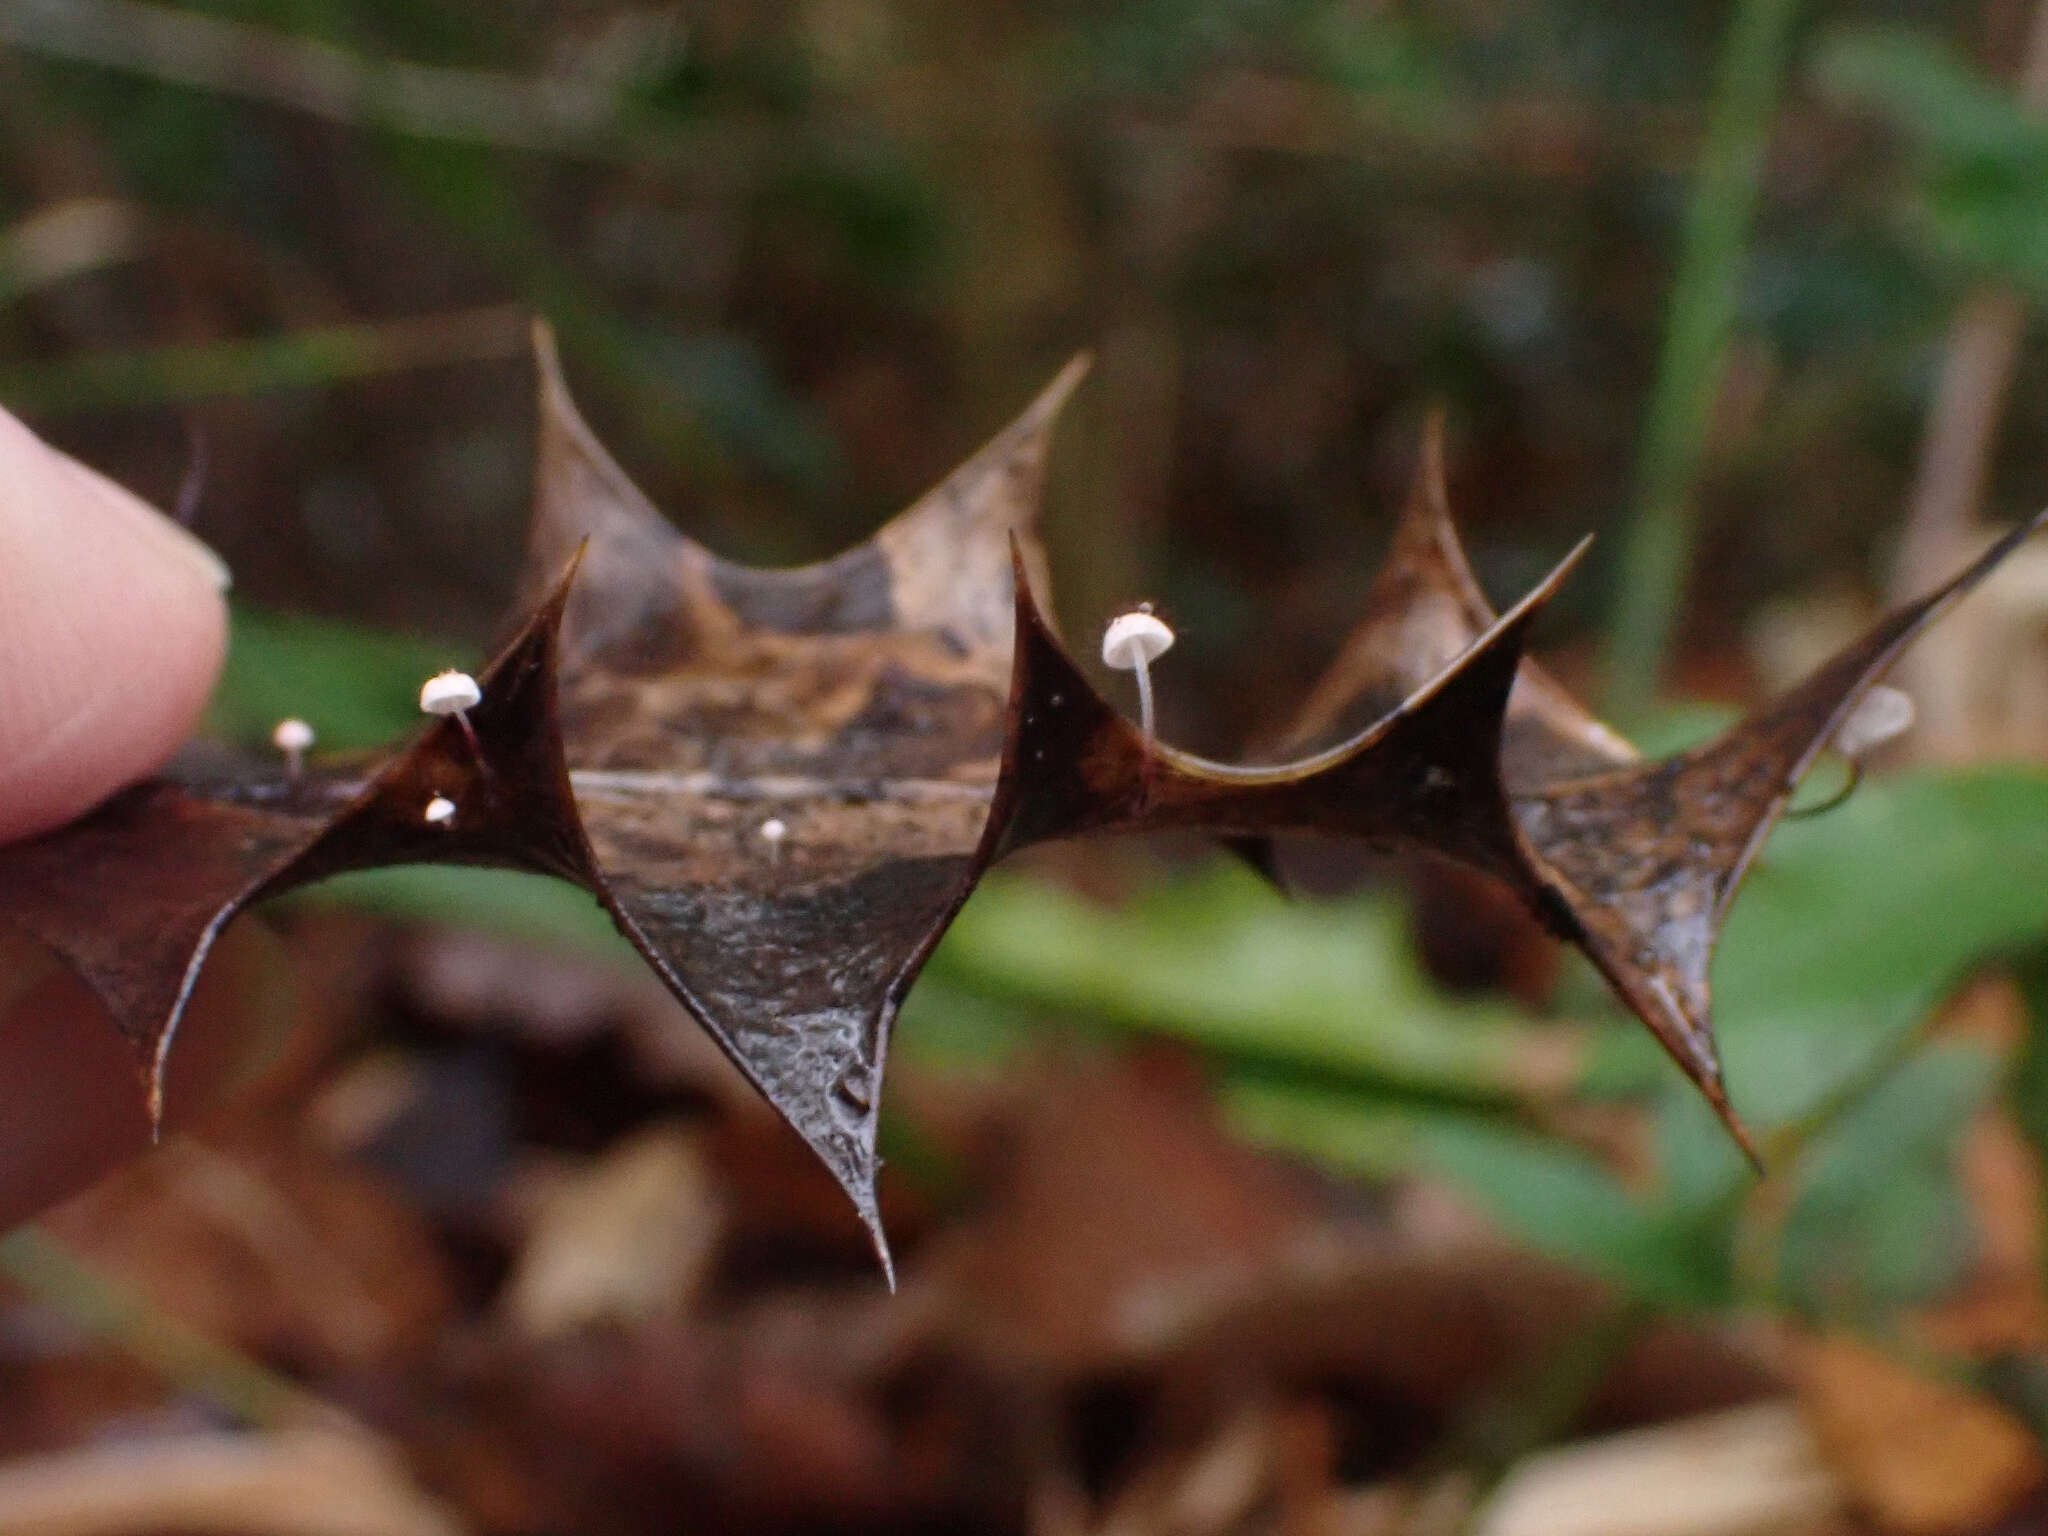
{"x":781,"y":780}
{"x":1424,"y":775}
{"x":1424,"y":609}
{"x":786,"y":774}
{"x":1634,"y":862}
{"x":134,"y":895}
{"x":1923,"y":1457}
{"x":782,"y":785}
{"x":313,"y":1481}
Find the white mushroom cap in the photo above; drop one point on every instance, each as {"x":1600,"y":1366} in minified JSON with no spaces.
{"x":774,"y":829}
{"x":292,"y":735}
{"x":1877,"y":717}
{"x":439,"y":812}
{"x":1134,"y":640}
{"x":450,"y":693}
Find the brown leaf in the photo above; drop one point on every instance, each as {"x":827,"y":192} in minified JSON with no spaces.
{"x":1920,"y":1455}
{"x":1634,"y":862}
{"x":133,"y":896}
{"x":781,"y":779}
{"x":786,"y":773}
{"x":1646,"y":859}
{"x":1424,"y":610}
{"x":783,"y":784}
{"x":1424,"y":775}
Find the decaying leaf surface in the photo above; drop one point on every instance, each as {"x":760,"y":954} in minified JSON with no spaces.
{"x":1425,"y":774}
{"x":1635,"y":862}
{"x":786,"y":774}
{"x":783,"y":784}
{"x":1647,"y":858}
{"x":1423,"y":611}
{"x":133,"y":896}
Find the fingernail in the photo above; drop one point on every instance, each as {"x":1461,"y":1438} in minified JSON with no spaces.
{"x":173,"y":538}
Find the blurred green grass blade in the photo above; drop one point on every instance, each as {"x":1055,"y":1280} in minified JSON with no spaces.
{"x":1339,"y":1127}
{"x":531,"y":909}
{"x":305,"y":359}
{"x":357,"y":687}
{"x":1880,"y":1221}
{"x":1216,"y":959}
{"x":1651,"y":578}
{"x":1554,"y":1198}
{"x":1921,"y":85}
{"x":945,"y":1027}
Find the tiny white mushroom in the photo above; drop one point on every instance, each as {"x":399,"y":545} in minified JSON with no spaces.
{"x":294,"y":738}
{"x":773,"y":831}
{"x":450,"y":693}
{"x":454,"y":693}
{"x":440,"y":812}
{"x":1873,"y":720}
{"x":1131,"y":643}
{"x":1877,"y":717}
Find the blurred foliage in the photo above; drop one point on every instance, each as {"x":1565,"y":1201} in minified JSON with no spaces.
{"x":1978,"y":193}
{"x":801,"y":255}
{"x":1327,"y":1040}
{"x":360,"y":687}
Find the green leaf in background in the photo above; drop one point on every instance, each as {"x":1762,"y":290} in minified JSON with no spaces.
{"x":1923,"y":87}
{"x":1858,"y":921}
{"x":1555,"y":1198}
{"x":1982,"y":198}
{"x":1215,"y":958}
{"x":358,"y":688}
{"x":1879,"y":1221}
{"x":532,"y":909}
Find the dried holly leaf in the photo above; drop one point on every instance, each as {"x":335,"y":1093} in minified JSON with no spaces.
{"x":786,"y":774}
{"x":783,"y":784}
{"x":1648,"y":858}
{"x":1424,"y":775}
{"x":133,"y":895}
{"x":1634,"y":862}
{"x":1424,"y":609}
{"x":781,"y":779}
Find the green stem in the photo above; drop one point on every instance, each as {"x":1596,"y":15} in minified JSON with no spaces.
{"x":45,"y":1270}
{"x":307,"y":359}
{"x":1704,"y":298}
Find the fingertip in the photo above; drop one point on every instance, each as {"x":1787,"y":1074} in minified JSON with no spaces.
{"x":112,"y":629}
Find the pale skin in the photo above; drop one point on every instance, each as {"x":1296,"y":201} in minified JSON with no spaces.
{"x":113,"y":625}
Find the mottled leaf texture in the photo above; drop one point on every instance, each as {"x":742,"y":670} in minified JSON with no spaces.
{"x":133,"y":895}
{"x":1634,"y":862}
{"x":1647,"y":858}
{"x":1422,"y":612}
{"x":1425,"y":774}
{"x":783,"y":784}
{"x":786,"y":773}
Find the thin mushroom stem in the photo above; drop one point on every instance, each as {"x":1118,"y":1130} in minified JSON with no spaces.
{"x":1131,"y":643}
{"x":1839,"y":797}
{"x":1145,"y":720}
{"x":456,"y":693}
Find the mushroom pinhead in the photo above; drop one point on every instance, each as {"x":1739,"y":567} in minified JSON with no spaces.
{"x":449,"y":693}
{"x":1135,"y":640}
{"x":1876,"y":718}
{"x":293,"y":738}
{"x":1131,"y":643}
{"x":440,"y":811}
